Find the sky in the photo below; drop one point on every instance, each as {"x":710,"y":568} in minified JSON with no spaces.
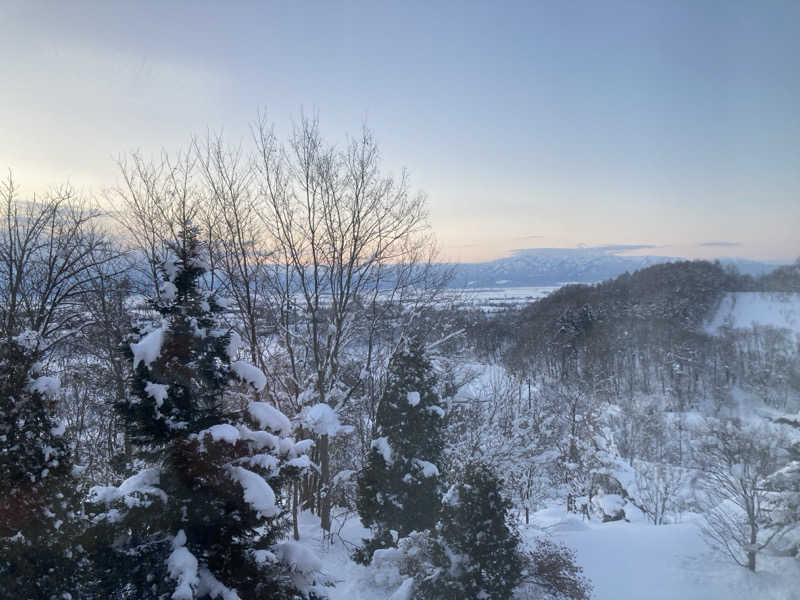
{"x":673,"y":125}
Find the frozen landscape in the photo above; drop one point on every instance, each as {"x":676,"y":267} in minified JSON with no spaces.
{"x":624,"y":561}
{"x":355,"y":300}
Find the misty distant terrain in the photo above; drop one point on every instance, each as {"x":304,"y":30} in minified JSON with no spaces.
{"x":555,"y":266}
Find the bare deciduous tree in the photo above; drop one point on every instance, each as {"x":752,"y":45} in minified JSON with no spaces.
{"x":49,"y":248}
{"x":242,"y":245}
{"x":659,"y":486}
{"x":352,"y":246}
{"x":735,"y":461}
{"x":154,"y":200}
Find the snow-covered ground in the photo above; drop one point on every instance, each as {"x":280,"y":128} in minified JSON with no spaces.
{"x":743,"y":310}
{"x":491,"y":299}
{"x":637,"y":560}
{"x":624,"y":561}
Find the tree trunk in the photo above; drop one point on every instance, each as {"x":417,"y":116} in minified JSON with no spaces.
{"x":324,"y":480}
{"x":295,"y":498}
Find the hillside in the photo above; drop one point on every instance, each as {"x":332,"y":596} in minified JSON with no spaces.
{"x":744,"y":310}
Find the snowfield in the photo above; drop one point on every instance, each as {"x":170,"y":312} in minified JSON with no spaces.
{"x":743,"y":310}
{"x":638,"y":560}
{"x":624,"y":561}
{"x":493,"y":299}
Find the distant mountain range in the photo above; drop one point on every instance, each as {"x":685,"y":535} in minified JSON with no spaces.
{"x":556,"y":266}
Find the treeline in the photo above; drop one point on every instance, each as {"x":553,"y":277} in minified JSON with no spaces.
{"x":642,"y":333}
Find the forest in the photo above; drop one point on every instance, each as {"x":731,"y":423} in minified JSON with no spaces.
{"x":213,"y":372}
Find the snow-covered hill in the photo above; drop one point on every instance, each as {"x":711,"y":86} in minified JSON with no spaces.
{"x":743,"y":310}
{"x":556,"y":266}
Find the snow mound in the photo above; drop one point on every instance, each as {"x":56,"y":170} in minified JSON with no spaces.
{"x":252,"y":375}
{"x":298,"y":556}
{"x":46,"y":385}
{"x":428,"y":468}
{"x":235,"y":342}
{"x":381,"y":445}
{"x":269,"y":417}
{"x":211,"y":587}
{"x":223,"y":432}
{"x":182,"y":567}
{"x":157,"y":391}
{"x":405,"y":591}
{"x":302,"y":561}
{"x":144,"y":482}
{"x":148,"y":348}
{"x":169,"y":291}
{"x":257,"y":492}
{"x":322,"y":420}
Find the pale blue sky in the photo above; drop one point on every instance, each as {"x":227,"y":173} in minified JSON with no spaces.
{"x":528,"y":124}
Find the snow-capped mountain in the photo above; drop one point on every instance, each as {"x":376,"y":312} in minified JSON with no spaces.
{"x":555,"y":266}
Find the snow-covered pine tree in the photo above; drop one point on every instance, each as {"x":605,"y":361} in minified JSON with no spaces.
{"x":38,"y":491}
{"x":476,"y":552}
{"x":203,"y":516}
{"x":399,"y":488}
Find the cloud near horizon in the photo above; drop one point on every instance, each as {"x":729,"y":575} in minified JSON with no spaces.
{"x":622,"y":247}
{"x":606,"y":248}
{"x":719,"y":244}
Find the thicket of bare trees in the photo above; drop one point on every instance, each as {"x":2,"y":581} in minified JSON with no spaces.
{"x":327,"y":259}
{"x":50,"y":250}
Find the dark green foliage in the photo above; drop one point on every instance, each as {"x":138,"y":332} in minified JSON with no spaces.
{"x":403,"y":493}
{"x":193,"y":360}
{"x":38,"y":492}
{"x":199,"y":454}
{"x":477,"y":550}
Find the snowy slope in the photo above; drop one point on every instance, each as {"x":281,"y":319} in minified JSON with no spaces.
{"x":624,"y":561}
{"x":637,"y":561}
{"x":743,"y":310}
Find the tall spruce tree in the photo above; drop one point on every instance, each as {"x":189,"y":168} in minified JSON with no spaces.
{"x":399,"y":488}
{"x":203,"y":515}
{"x":37,"y":522}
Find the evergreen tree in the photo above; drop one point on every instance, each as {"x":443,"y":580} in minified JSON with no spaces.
{"x":476,"y":552}
{"x":399,"y":488}
{"x":203,"y":514}
{"x":36,"y":519}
